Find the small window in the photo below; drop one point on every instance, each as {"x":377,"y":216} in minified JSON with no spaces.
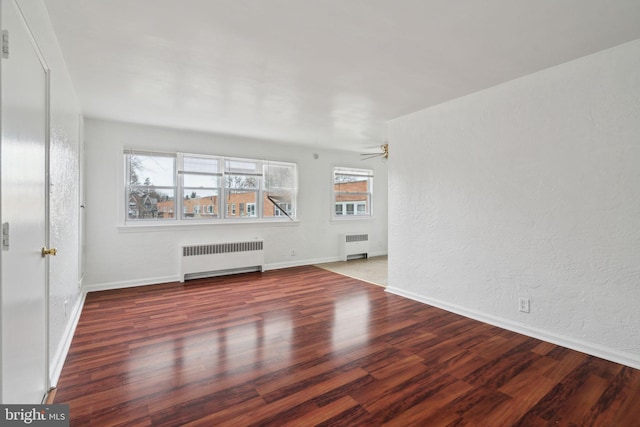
{"x":281,"y":208}
{"x":251,"y":209}
{"x":352,"y":192}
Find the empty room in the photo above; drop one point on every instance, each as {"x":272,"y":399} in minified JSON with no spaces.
{"x":305,"y":213}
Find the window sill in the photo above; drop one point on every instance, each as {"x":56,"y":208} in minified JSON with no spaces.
{"x":149,"y":226}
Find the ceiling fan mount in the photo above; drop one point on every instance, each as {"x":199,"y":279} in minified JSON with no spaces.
{"x":383,"y":153}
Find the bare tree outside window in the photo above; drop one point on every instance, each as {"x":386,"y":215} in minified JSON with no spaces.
{"x":154,"y":197}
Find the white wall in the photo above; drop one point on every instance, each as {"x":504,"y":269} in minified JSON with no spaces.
{"x":118,"y":257}
{"x":528,"y":189}
{"x":64,"y":195}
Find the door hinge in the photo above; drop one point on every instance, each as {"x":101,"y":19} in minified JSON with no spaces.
{"x":5,"y":43}
{"x":5,"y":236}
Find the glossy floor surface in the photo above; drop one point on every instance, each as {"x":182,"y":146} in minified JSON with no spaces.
{"x":306,"y":346}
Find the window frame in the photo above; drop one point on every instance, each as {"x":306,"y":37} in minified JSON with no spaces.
{"x":183,"y":173}
{"x":343,"y":205}
{"x":271,"y":200}
{"x":221,"y":199}
{"x":128,"y":186}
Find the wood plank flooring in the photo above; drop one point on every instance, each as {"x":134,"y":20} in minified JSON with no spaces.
{"x":305,"y":347}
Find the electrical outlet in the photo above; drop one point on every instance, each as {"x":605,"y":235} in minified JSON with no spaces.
{"x":65,"y":308}
{"x":293,"y":252}
{"x":524,"y":305}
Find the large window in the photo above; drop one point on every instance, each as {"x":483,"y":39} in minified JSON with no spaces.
{"x":352,"y":192}
{"x":210,"y":188}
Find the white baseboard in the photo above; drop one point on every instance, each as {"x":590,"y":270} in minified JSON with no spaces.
{"x":593,"y":349}
{"x":63,"y":349}
{"x":167,"y":279}
{"x":130,"y":283}
{"x":298,"y":263}
{"x":375,"y":254}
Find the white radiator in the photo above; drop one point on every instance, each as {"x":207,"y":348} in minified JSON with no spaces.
{"x":216,"y":259}
{"x":354,"y":245}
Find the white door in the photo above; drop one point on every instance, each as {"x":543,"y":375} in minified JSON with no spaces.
{"x":24,"y":125}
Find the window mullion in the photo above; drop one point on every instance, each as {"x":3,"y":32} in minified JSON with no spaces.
{"x":179,"y":186}
{"x":260,"y":196}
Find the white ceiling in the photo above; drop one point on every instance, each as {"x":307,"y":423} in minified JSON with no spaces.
{"x":327,"y":72}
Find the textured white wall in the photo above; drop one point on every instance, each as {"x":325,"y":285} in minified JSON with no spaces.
{"x":118,"y":257}
{"x":528,"y":189}
{"x":64,"y":196}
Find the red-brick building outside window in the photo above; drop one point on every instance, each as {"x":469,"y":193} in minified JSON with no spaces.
{"x":352,"y":192}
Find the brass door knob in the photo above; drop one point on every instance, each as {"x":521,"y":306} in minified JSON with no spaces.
{"x":52,"y":251}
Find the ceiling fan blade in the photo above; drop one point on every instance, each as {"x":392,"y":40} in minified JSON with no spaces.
{"x":371,"y":156}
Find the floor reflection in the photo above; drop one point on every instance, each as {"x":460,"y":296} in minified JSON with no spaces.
{"x":351,"y":320}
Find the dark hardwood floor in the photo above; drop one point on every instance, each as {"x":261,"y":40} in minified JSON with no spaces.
{"x":305,"y":346}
